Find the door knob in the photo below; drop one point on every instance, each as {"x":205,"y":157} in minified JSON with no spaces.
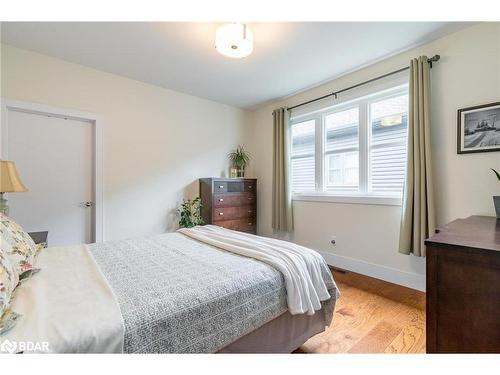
{"x":86,"y":204}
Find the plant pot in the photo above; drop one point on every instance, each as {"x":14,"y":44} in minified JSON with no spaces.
{"x":496,"y":201}
{"x":236,"y":172}
{"x":241,"y":172}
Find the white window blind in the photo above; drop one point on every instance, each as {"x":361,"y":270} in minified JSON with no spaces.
{"x":302,"y":154}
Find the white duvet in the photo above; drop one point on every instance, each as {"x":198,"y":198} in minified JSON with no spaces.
{"x":68,"y":307}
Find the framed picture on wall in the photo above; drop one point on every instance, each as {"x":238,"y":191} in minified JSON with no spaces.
{"x":479,"y":128}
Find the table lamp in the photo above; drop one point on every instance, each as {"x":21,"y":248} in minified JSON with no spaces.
{"x":9,"y":183}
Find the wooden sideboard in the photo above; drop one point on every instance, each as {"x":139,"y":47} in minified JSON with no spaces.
{"x":230,"y":203}
{"x":463,"y":287}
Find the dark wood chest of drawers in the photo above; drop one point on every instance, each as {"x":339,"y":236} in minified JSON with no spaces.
{"x":230,"y":203}
{"x":463,"y":287}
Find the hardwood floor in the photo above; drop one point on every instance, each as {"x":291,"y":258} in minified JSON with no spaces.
{"x":372,"y":316}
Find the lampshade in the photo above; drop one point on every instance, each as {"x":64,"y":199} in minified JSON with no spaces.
{"x":9,"y":179}
{"x":234,"y":40}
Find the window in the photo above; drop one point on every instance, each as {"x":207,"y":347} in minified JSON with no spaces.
{"x":356,"y":148}
{"x":303,"y":156}
{"x":388,"y":122}
{"x":343,"y":170}
{"x":342,"y":150}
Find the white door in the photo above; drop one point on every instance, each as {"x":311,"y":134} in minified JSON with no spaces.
{"x":54,"y":159}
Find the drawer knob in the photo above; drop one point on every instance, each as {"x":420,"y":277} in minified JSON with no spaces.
{"x":250,"y":211}
{"x":221,"y":200}
{"x":250,"y":223}
{"x":221,"y":213}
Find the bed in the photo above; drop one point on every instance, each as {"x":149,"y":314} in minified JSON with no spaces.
{"x":170,"y":293}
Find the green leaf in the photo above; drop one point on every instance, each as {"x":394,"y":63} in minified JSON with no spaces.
{"x":190,"y":213}
{"x":27,"y":274}
{"x":497,"y":174}
{"x":239,"y":158}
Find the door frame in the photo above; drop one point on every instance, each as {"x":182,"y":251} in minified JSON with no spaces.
{"x":94,"y":119}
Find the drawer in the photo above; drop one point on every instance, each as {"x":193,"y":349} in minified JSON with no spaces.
{"x":250,"y":186}
{"x":234,"y":199}
{"x":244,"y":225}
{"x":234,"y":186}
{"x":230,"y":213}
{"x":220,"y":187}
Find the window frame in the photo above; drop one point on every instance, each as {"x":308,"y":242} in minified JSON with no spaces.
{"x":362,"y":101}
{"x":306,"y":118}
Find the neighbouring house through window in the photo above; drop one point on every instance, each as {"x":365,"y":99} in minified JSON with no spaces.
{"x":355,"y":148}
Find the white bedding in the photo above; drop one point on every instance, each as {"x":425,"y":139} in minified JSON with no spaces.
{"x":68,"y":305}
{"x":300,"y":266}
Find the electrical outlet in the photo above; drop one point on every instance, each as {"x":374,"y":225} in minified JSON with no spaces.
{"x":333,"y":240}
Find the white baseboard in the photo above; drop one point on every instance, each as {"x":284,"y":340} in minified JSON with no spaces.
{"x":392,"y":275}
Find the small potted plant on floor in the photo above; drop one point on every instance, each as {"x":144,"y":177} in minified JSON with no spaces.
{"x":239,"y":159}
{"x":496,"y":199}
{"x":190,"y":213}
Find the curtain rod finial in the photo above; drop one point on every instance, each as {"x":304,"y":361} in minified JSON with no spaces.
{"x":434,"y":58}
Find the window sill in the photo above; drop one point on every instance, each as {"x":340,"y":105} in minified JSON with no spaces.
{"x":349,"y":199}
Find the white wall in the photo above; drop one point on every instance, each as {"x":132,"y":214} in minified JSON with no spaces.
{"x":156,"y":142}
{"x":367,"y":235}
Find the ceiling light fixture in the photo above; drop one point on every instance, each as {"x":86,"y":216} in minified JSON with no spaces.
{"x":234,"y":40}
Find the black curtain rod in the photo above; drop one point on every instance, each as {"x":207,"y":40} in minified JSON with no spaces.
{"x":434,"y":58}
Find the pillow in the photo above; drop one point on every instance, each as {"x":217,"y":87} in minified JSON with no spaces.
{"x":8,"y":282}
{"x":17,"y":245}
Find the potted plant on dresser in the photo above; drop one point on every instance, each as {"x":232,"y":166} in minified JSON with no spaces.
{"x":496,"y":199}
{"x":239,"y":159}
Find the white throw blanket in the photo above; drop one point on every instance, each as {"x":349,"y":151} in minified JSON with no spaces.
{"x":300,"y":266}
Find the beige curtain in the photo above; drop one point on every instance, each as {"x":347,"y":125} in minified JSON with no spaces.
{"x":417,"y":218}
{"x":282,"y":197}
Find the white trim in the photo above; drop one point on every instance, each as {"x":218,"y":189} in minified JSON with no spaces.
{"x":349,"y":199}
{"x":392,"y":275}
{"x":335,"y":78}
{"x":96,"y":120}
{"x":368,"y":93}
{"x":363,"y":148}
{"x":319,"y":146}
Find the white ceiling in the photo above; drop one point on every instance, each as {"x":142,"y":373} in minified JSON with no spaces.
{"x":287,"y":57}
